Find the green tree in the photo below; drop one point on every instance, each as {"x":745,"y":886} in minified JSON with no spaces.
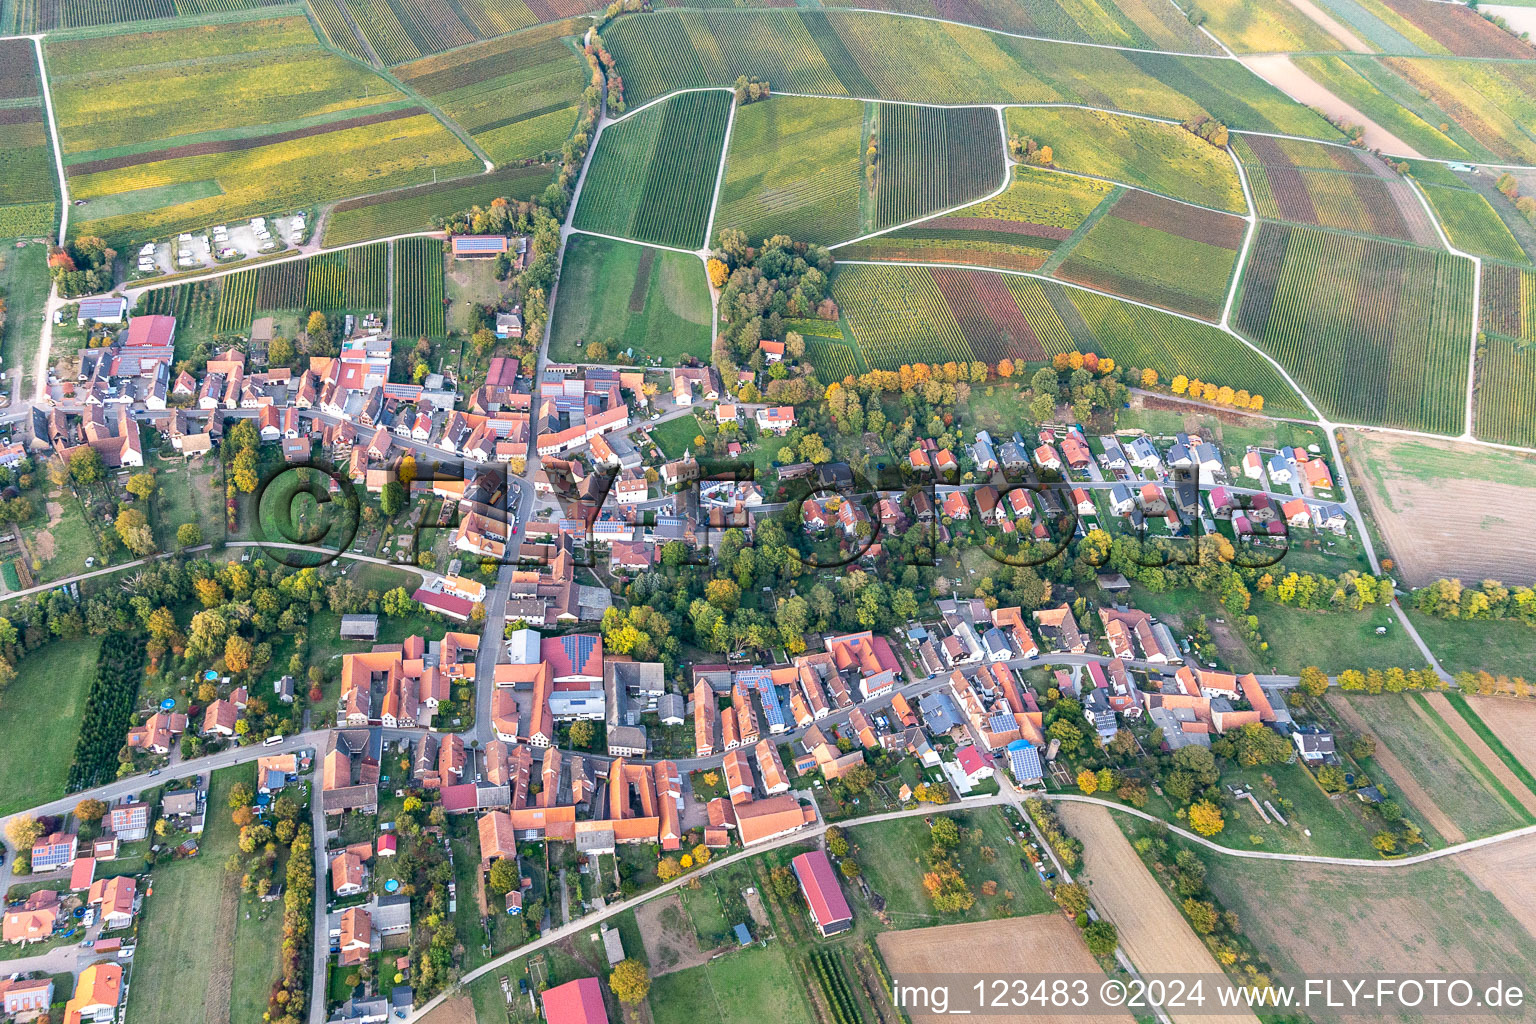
{"x":945,"y":833}
{"x":583,"y":732}
{"x":141,"y":485}
{"x":1072,"y":897}
{"x":504,"y":876}
{"x":189,"y":535}
{"x":1314,"y":681}
{"x":392,"y":500}
{"x":85,"y":465}
{"x":1101,"y":938}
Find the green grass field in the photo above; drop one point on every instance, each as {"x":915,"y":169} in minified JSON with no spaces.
{"x":654,"y":303}
{"x":258,"y":940}
{"x":414,"y":209}
{"x":1472,"y":224}
{"x":40,"y":717}
{"x":846,"y":53}
{"x":1452,"y":776}
{"x":24,"y":285}
{"x":1307,"y":918}
{"x":795,"y":167}
{"x":652,"y":177}
{"x":1502,"y":647}
{"x":893,"y":855}
{"x":1148,"y":154}
{"x":183,"y":967}
{"x":752,"y":984}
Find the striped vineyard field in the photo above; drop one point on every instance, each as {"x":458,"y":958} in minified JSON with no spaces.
{"x":990,"y":319}
{"x":353,"y":279}
{"x":1375,"y":332}
{"x":413,"y":209}
{"x":333,"y":22}
{"x":27,"y":16}
{"x":934,"y":158}
{"x":1506,"y":392}
{"x":898,"y":316}
{"x":419,"y":288}
{"x":652,"y":178}
{"x":1509,"y":302}
{"x":382,"y":27}
{"x":1137,"y":336}
{"x":237,"y":302}
{"x":831,"y":360}
{"x":195,"y":306}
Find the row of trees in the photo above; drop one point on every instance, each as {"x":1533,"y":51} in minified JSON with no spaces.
{"x":1451,"y":599}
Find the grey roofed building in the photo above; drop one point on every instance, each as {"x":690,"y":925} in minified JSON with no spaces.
{"x":613,"y":945}
{"x":594,"y":840}
{"x":1166,"y":642}
{"x":391,"y":914}
{"x":374,"y":1010}
{"x":627,"y":740}
{"x":1097,"y":711}
{"x":284,"y":689}
{"x":1313,"y":744}
{"x":672,"y":708}
{"x":1171,"y":721}
{"x":592,"y":602}
{"x":996,"y":642}
{"x":400,"y":999}
{"x":940,"y":713}
{"x":359,"y":627}
{"x":1024,"y":762}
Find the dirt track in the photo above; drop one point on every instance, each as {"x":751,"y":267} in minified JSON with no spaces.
{"x":1153,"y":934}
{"x":1043,"y":944}
{"x":1278,"y":71}
{"x":1501,"y":771}
{"x":1417,"y":795}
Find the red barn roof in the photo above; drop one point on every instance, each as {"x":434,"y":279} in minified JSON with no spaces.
{"x":575,"y":1002}
{"x":822,"y":892}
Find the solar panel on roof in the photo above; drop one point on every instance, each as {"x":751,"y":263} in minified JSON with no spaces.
{"x":578,"y":648}
{"x":480,"y":243}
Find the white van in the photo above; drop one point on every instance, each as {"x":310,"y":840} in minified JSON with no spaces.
{"x":272,"y":741}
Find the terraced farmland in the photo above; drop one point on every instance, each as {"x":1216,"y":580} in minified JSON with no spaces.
{"x":519,"y":97}
{"x":1329,"y":186}
{"x":28,"y":192}
{"x":1376,"y":332}
{"x":417,"y":209}
{"x":650,"y":303}
{"x":1153,"y":155}
{"x":419,"y":288}
{"x":231,"y":134}
{"x":652,"y":176}
{"x":1139,"y":23}
{"x":934,"y":158}
{"x":878,"y":56}
{"x":1154,"y":250}
{"x":795,"y":167}
{"x":1472,"y":224}
{"x":1452,"y":28}
{"x":1017,"y":230}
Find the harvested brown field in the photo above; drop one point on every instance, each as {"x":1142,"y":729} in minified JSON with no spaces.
{"x":1314,"y":919}
{"x":1495,"y":764}
{"x":236,"y":145}
{"x":1152,"y":932}
{"x":1402,"y":778}
{"x":1506,"y":870}
{"x":671,"y":943}
{"x":459,"y":1010}
{"x":1447,"y":509}
{"x":1042,"y":944}
{"x":1513,"y":721}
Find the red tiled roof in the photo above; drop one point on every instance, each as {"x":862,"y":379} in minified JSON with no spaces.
{"x":821,"y":889}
